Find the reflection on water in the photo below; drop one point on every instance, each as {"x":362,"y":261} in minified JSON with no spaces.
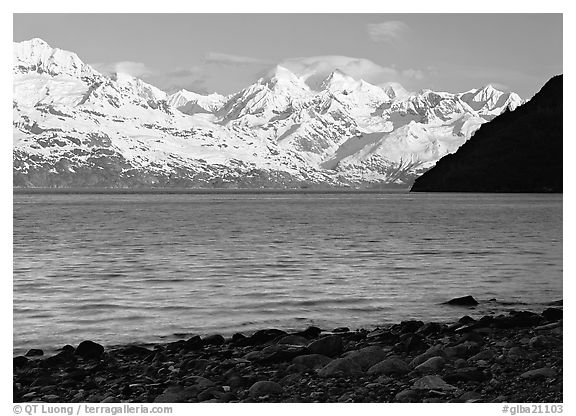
{"x":122,"y":268}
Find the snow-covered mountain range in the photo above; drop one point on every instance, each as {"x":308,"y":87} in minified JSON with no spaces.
{"x":75,"y":127}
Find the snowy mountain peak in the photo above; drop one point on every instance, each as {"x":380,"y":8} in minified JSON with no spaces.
{"x":338,"y":81}
{"x":35,"y":55}
{"x":395,"y":90}
{"x":190,"y":102}
{"x":181,"y":97}
{"x":71,"y":129}
{"x":281,"y":77}
{"x":141,"y":88}
{"x":490,"y":101}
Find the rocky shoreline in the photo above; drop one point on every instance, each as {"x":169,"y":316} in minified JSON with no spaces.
{"x":516,"y":357}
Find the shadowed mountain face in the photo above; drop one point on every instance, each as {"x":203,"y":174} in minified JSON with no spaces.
{"x":518,"y":151}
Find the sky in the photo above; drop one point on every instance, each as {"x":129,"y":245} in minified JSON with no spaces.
{"x":226,"y":52}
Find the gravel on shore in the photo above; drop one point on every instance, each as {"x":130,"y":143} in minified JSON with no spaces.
{"x":514,"y":358}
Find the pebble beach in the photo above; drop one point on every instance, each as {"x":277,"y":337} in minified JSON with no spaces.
{"x":514,"y":357}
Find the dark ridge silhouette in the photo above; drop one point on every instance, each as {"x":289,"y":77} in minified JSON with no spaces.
{"x":518,"y":151}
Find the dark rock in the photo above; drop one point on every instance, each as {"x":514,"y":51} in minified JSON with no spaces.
{"x":482,"y":355}
{"x":465,"y":375}
{"x":264,"y":388}
{"x":553,"y":314}
{"x":341,"y":329}
{"x":135,"y":351}
{"x":356,"y":336}
{"x":293,"y":340}
{"x":68,"y":349}
{"x":237,"y":337}
{"x":383,"y":336}
{"x":429,"y":328}
{"x":470,"y":396}
{"x":20,"y":361}
{"x":435,"y":351}
{"x":524,"y":319}
{"x":463,"y":350}
{"x":66,"y":356}
{"x":78,"y":374}
{"x":517,"y":353}
{"x":89,"y":350}
{"x":406,"y":396}
{"x":313,"y":361}
{"x":176,"y":394}
{"x":390,"y":366}
{"x":195,"y":365}
{"x":431,"y":365}
{"x":311,"y":332}
{"x":34,"y":353}
{"x":466,"y":320}
{"x":236,"y":381}
{"x":194,"y":343}
{"x":45,"y":381}
{"x":471,"y":336}
{"x":176,"y":346}
{"x":556,"y":303}
{"x":462,"y":301}
{"x":408,"y":326}
{"x":330,"y":346}
{"x":411,"y":343}
{"x":297,"y":368}
{"x":543,"y":342}
{"x":206,"y":395}
{"x":485,"y":321}
{"x":432,"y":383}
{"x":265,"y":335}
{"x":367,"y":357}
{"x":276,"y":353}
{"x":341,"y":367}
{"x":544,"y":372}
{"x":213,"y":340}
{"x":200,"y":382}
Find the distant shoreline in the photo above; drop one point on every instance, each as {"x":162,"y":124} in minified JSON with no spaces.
{"x":202,"y":191}
{"x":267,"y":191}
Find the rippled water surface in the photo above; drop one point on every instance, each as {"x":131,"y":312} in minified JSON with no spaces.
{"x":124,"y":268}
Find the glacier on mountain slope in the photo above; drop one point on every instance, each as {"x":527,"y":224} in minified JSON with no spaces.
{"x":76,"y":127}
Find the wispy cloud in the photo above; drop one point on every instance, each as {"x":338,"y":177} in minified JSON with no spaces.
{"x":413,"y":74}
{"x":225,"y":73}
{"x":228,"y":59}
{"x":136,"y":69}
{"x":315,"y":68}
{"x":389,"y":32}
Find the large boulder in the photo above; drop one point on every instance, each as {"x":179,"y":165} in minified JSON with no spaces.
{"x":390,"y":366}
{"x":432,"y":383}
{"x":341,"y":367}
{"x":213,"y":340}
{"x":544,"y":372}
{"x":431,"y":366}
{"x":34,"y":352}
{"x":330,"y":346}
{"x":294,"y":340}
{"x":275,"y":353}
{"x":89,"y":349}
{"x":462,"y":301}
{"x":368,"y":356}
{"x":265,"y":388}
{"x":313,"y":361}
{"x":265,"y":335}
{"x":434,"y":351}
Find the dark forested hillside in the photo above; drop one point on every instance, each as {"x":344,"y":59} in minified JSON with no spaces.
{"x":518,"y":151}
